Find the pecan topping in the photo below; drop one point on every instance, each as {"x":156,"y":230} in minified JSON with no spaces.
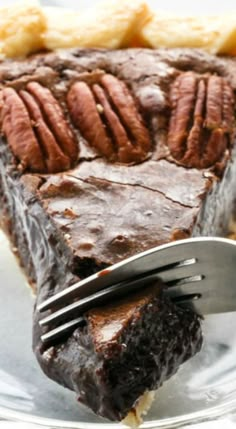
{"x":36,"y":130}
{"x":202,"y":117}
{"x":108,"y":118}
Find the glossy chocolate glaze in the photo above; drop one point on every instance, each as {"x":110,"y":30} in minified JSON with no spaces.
{"x":74,"y":223}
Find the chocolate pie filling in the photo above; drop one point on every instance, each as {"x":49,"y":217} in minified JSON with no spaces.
{"x":105,"y":154}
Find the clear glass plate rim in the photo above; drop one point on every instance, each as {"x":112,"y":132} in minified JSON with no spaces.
{"x":189,"y":419}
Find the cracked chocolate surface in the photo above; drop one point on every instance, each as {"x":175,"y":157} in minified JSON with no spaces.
{"x":111,"y":217}
{"x":71,"y":224}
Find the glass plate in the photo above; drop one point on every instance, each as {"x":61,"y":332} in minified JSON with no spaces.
{"x":204,"y":388}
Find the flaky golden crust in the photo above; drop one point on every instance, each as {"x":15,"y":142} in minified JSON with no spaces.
{"x":214,"y":34}
{"x":21,"y":28}
{"x":27,"y":27}
{"x":112,"y":24}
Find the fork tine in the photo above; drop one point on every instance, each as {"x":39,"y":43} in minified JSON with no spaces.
{"x":79,"y":306}
{"x":56,"y":333}
{"x":176,"y":253}
{"x":93,"y":300}
{"x":182,"y":281}
{"x":183,"y":299}
{"x":66,"y":327}
{"x":99,"y":281}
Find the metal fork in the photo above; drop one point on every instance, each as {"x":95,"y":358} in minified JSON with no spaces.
{"x":197,"y":272}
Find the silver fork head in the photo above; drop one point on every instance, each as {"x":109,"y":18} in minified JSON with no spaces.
{"x":216,"y":292}
{"x":196,"y":270}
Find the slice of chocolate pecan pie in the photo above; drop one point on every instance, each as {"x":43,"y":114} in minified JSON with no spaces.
{"x":105,"y":154}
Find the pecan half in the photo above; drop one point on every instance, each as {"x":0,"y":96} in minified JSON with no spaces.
{"x":108,"y":118}
{"x":36,"y":130}
{"x":202,"y":117}
{"x":16,"y":126}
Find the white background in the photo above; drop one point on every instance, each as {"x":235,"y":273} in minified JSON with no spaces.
{"x":181,"y":6}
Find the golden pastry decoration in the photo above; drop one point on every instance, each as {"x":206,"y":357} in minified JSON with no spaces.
{"x":112,"y":24}
{"x":214,"y":34}
{"x":26,"y":27}
{"x":22,"y":26}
